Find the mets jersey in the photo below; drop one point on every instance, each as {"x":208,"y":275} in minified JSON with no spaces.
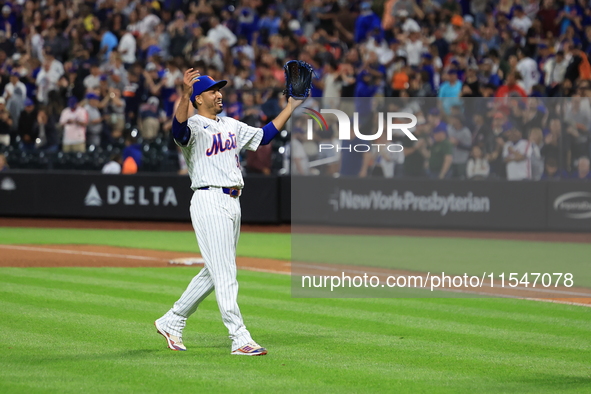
{"x":212,"y":154}
{"x":530,"y":75}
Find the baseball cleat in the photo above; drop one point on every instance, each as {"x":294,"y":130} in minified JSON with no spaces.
{"x":173,"y":342}
{"x":250,"y":349}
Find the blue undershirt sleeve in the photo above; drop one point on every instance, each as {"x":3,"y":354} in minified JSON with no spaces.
{"x":269,"y":132}
{"x":180,"y":132}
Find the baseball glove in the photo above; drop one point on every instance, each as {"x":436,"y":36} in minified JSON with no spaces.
{"x":298,"y":79}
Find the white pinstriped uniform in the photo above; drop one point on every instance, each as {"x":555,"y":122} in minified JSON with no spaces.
{"x":212,"y":161}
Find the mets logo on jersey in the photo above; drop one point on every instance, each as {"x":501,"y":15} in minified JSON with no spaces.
{"x":219,"y":146}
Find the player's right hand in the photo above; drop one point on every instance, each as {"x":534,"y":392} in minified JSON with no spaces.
{"x":188,"y":80}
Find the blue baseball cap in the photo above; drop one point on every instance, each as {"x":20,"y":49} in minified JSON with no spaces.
{"x":29,"y":102}
{"x":72,"y":101}
{"x":153,"y":50}
{"x":92,"y":96}
{"x":205,"y":82}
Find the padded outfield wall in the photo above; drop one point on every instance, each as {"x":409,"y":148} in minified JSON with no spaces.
{"x":485,"y":205}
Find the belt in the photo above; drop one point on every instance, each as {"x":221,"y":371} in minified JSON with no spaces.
{"x":231,"y":191}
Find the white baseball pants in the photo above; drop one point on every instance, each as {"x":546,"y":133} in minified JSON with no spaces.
{"x":216,"y":220}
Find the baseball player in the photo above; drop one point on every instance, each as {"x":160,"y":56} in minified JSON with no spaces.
{"x":210,"y":145}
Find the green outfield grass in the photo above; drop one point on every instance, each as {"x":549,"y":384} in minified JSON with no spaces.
{"x":89,"y":330}
{"x":266,"y":245}
{"x":451,"y":255}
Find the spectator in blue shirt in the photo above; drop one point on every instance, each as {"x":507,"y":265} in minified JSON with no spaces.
{"x":570,"y":15}
{"x":450,"y":90}
{"x":434,"y":120}
{"x":109,"y":42}
{"x":270,"y":22}
{"x":366,"y":22}
{"x":247,"y":23}
{"x":9,"y":20}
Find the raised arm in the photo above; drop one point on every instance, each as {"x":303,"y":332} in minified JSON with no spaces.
{"x":271,"y":129}
{"x":180,"y":129}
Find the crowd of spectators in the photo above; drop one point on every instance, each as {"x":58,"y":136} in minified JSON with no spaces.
{"x":496,"y":138}
{"x":80,"y":74}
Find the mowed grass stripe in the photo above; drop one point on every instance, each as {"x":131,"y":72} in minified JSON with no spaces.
{"x":56,"y":378}
{"x":486,"y":329}
{"x":121,"y":285}
{"x":263,"y":245}
{"x":400,"y":311}
{"x":559,"y":315}
{"x":82,"y":326}
{"x":74,"y":300}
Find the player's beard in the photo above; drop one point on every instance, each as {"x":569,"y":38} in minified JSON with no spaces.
{"x":218,"y":108}
{"x":213,"y":108}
